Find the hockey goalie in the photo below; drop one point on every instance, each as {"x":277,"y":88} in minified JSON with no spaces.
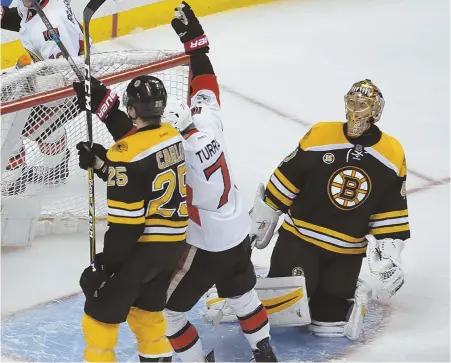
{"x":42,"y":126}
{"x":343,"y":193}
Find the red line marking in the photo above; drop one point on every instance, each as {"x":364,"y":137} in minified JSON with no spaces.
{"x":419,"y":175}
{"x":431,"y":184}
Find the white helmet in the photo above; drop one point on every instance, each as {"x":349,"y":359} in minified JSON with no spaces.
{"x":177,"y":113}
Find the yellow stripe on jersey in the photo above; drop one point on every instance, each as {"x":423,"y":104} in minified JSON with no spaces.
{"x":122,"y":205}
{"x":125,"y":213}
{"x":165,"y":222}
{"x":325,"y":245}
{"x":287,"y":184}
{"x":143,"y":143}
{"x":394,"y":214}
{"x":162,"y":238}
{"x":327,"y":231}
{"x":125,"y":220}
{"x":323,"y":134}
{"x":389,"y":229}
{"x":391,"y":149}
{"x":280,"y":197}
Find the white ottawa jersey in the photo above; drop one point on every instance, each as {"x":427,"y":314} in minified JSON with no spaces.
{"x":218,"y":219}
{"x":35,"y":37}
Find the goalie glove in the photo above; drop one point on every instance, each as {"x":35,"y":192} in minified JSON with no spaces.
{"x":95,"y":157}
{"x":189,"y":30}
{"x":384,"y":262}
{"x":103,"y":99}
{"x":263,"y":220}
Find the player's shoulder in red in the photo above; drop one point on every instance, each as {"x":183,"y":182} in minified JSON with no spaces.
{"x":206,"y":82}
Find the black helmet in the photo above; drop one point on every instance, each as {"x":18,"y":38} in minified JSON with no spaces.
{"x":147,"y":95}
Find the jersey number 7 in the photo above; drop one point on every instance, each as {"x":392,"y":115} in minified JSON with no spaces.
{"x":221,"y":165}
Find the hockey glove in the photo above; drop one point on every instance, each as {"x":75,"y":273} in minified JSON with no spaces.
{"x":189,"y":30}
{"x":93,"y":280}
{"x":103,"y":99}
{"x":95,"y":157}
{"x":384,"y":262}
{"x":263,"y":220}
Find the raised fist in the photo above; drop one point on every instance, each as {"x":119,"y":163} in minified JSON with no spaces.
{"x":189,"y":30}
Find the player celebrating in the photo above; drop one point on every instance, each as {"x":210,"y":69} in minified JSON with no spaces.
{"x":45,"y":123}
{"x":219,"y":251}
{"x":147,"y":217}
{"x":343,"y":186}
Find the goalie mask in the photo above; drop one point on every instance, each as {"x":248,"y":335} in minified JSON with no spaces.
{"x":364,"y":104}
{"x":147,"y":95}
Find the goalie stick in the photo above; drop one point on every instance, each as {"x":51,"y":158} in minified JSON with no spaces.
{"x":88,"y":12}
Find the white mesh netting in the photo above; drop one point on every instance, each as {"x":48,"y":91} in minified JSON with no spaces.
{"x":39,"y":159}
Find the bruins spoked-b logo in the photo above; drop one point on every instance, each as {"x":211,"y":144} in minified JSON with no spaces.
{"x":349,"y":187}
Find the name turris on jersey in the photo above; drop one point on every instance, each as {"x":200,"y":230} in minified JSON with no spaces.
{"x":208,"y":151}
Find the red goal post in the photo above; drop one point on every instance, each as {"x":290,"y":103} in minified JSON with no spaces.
{"x":43,"y":91}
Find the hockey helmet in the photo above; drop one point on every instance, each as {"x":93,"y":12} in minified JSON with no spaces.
{"x":177,"y":114}
{"x":147,"y":95}
{"x":364,"y":105}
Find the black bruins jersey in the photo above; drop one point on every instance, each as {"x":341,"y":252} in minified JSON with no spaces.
{"x":336,"y":190}
{"x":146,"y":190}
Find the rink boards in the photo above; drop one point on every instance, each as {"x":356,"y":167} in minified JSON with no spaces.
{"x":52,"y":332}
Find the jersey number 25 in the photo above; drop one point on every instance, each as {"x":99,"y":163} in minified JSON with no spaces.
{"x":167,"y":182}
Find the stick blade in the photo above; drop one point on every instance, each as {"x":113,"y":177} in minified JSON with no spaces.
{"x":91,"y":8}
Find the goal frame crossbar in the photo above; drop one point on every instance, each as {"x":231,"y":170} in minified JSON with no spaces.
{"x":122,"y":76}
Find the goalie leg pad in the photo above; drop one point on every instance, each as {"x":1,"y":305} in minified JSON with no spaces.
{"x":13,"y":182}
{"x":326,"y":329}
{"x":100,"y":340}
{"x":54,"y":147}
{"x":353,"y":327}
{"x":20,"y":219}
{"x":285,"y":299}
{"x":149,"y":328}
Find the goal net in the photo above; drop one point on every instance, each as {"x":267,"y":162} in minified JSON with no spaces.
{"x":41,"y":124}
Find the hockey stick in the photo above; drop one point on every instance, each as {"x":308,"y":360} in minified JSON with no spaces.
{"x":55,"y":36}
{"x":88,"y":12}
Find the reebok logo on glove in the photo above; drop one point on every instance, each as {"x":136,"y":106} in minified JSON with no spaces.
{"x":106,"y":105}
{"x":196,"y":43}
